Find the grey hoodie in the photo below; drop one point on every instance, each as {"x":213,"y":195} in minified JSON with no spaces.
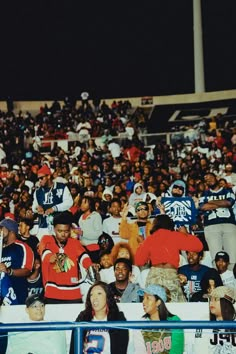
{"x":178,"y":182}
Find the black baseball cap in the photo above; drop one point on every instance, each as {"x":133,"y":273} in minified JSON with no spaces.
{"x":223,"y":255}
{"x":34,"y":298}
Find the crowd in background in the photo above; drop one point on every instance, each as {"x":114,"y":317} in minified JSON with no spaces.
{"x":117,"y":192}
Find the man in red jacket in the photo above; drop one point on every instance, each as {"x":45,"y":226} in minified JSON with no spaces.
{"x":63,"y":258}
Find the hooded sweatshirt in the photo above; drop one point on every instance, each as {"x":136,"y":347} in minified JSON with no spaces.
{"x":180,"y":209}
{"x":134,"y":197}
{"x":178,"y":182}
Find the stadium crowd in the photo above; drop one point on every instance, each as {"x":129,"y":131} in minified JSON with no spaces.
{"x":131,"y":216}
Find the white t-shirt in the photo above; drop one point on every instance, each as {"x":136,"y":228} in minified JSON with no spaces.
{"x":114,"y":149}
{"x":111,"y":227}
{"x":107,"y":275}
{"x":228,"y":279}
{"x":207,"y":341}
{"x":135,"y":276}
{"x":83,"y":128}
{"x":97,"y":340}
{"x":53,"y":342}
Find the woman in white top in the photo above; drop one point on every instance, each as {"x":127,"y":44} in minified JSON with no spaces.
{"x":101,"y":306}
{"x":222,"y":341}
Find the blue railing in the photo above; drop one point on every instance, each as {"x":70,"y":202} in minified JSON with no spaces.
{"x":78,"y":327}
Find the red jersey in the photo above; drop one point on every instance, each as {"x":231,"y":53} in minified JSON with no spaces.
{"x":62,"y":279}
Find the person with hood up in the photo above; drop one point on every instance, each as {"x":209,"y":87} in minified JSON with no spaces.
{"x":137,"y":195}
{"x":107,"y":196}
{"x":179,"y":207}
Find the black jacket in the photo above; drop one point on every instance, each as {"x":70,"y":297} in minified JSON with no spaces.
{"x":119,"y":337}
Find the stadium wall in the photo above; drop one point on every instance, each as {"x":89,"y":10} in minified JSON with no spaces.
{"x":133,"y":312}
{"x":33,"y":106}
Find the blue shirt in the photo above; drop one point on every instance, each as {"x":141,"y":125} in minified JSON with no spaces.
{"x":15,"y":256}
{"x":194,"y":278}
{"x":219,"y":215}
{"x":7,"y":293}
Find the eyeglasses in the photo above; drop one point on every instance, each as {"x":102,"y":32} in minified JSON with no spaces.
{"x":41,"y":177}
{"x":141,"y":209}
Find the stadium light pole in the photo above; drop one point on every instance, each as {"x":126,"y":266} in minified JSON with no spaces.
{"x":199,"y":79}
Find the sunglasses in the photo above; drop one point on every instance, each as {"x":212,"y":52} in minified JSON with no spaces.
{"x":144,"y":208}
{"x":178,"y":187}
{"x":41,"y":177}
{"x":103,"y":241}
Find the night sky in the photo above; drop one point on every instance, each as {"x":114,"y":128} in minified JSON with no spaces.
{"x":112,"y":49}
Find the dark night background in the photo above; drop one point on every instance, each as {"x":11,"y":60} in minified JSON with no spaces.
{"x":112,"y":49}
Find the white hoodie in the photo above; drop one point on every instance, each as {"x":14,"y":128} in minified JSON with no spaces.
{"x":134,"y":197}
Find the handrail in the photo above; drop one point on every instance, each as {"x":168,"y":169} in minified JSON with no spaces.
{"x":78,"y":327}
